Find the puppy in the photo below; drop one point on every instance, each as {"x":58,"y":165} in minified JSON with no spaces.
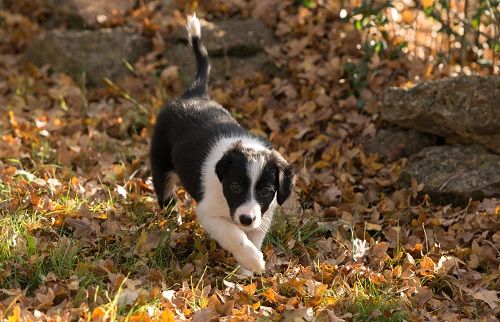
{"x":236,"y":178}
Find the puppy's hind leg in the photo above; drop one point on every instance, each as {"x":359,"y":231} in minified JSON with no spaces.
{"x":163,"y":182}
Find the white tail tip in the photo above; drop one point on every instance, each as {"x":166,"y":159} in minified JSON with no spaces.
{"x":193,"y":26}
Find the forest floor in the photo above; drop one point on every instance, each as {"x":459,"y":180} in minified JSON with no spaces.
{"x":82,"y":237}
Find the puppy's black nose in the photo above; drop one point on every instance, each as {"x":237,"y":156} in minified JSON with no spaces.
{"x":245,"y":220}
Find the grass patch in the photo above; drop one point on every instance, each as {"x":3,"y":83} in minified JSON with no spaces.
{"x":291,"y":235}
{"x":140,"y":212}
{"x":373,"y":304}
{"x":64,"y":257}
{"x":25,"y":273}
{"x":14,"y":233}
{"x":26,"y":269}
{"x":163,"y":254}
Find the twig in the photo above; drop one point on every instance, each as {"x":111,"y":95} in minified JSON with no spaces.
{"x":447,"y":181}
{"x":426,"y":239}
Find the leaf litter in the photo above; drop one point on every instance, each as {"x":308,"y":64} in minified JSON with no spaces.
{"x":81,"y":236}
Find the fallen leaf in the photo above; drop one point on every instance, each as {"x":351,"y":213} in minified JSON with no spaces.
{"x":490,"y":297}
{"x":379,"y":251}
{"x":205,"y":315}
{"x":167,"y":316}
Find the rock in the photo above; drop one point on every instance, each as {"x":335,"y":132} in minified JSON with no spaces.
{"x":94,"y":54}
{"x":221,"y":67}
{"x":85,"y":13}
{"x":453,"y":174}
{"x":394,"y":143}
{"x":235,"y":46}
{"x":232,"y":37}
{"x":462,"y":109}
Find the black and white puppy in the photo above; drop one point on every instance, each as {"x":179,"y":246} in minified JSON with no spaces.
{"x":236,"y":178}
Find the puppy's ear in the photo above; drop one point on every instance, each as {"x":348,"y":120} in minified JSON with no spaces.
{"x":234,"y":153}
{"x":286,"y":183}
{"x":286,"y":179}
{"x":223,"y":165}
{"x":227,"y":159}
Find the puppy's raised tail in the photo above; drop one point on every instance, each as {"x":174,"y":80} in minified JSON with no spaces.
{"x":199,"y":87}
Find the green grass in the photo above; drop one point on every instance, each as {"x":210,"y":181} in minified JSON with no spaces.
{"x":28,"y":268}
{"x":14,"y":232}
{"x":285,"y":230}
{"x":24,"y":260}
{"x":374,"y":304}
{"x":17,"y":245}
{"x":25,"y":273}
{"x":140,"y":212}
{"x":163,"y":254}
{"x":64,"y":257}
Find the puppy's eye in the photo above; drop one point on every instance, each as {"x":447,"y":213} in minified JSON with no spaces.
{"x":266,"y":191}
{"x":235,"y":187}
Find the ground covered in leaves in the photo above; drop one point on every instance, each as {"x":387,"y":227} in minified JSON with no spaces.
{"x":81,"y":235}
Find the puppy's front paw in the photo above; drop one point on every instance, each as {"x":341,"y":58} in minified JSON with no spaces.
{"x":252,"y":259}
{"x":243,"y":272}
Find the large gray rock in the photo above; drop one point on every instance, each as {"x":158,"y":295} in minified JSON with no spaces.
{"x":453,"y":174}
{"x":85,"y":13}
{"x":395,"y":143}
{"x":93,"y":54}
{"x":235,"y":46}
{"x":222,"y":67}
{"x":463,"y":109}
{"x":232,"y":37}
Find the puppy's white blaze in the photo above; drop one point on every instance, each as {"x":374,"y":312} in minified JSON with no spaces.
{"x":254,"y":170}
{"x":193,"y":26}
{"x":252,"y":207}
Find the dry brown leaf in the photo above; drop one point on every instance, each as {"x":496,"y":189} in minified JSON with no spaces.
{"x":45,"y":298}
{"x":490,"y":297}
{"x":148,"y":241}
{"x":327,"y":315}
{"x":205,"y":315}
{"x":379,"y":250}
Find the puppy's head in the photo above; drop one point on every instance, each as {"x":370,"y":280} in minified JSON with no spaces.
{"x":253,"y":181}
